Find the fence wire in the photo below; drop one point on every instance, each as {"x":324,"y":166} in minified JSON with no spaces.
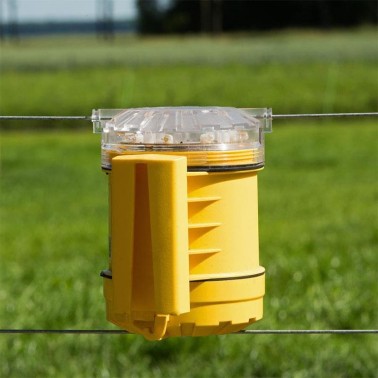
{"x":244,"y":332}
{"x":273,"y":116}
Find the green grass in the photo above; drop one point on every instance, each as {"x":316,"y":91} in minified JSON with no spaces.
{"x":318,"y":213}
{"x":285,"y":47}
{"x":290,"y":72}
{"x":316,"y":87}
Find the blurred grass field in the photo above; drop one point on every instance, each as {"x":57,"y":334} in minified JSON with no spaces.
{"x":318,"y":209}
{"x":291,"y":72}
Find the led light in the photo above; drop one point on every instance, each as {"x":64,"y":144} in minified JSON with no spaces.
{"x":196,"y":129}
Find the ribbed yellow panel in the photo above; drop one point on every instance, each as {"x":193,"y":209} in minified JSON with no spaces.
{"x":229,"y":224}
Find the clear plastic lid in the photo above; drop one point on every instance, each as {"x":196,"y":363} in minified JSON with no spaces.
{"x":182,"y":129}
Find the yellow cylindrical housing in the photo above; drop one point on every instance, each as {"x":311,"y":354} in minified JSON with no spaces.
{"x":184,"y":251}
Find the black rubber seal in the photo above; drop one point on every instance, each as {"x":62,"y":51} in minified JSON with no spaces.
{"x":217,"y":168}
{"x":231,"y":278}
{"x":225,"y":168}
{"x":106,"y":274}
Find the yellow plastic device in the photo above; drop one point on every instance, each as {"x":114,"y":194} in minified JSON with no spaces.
{"x":184,"y":254}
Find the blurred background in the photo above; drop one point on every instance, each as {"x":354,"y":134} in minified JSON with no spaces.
{"x":108,"y":17}
{"x":318,"y":196}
